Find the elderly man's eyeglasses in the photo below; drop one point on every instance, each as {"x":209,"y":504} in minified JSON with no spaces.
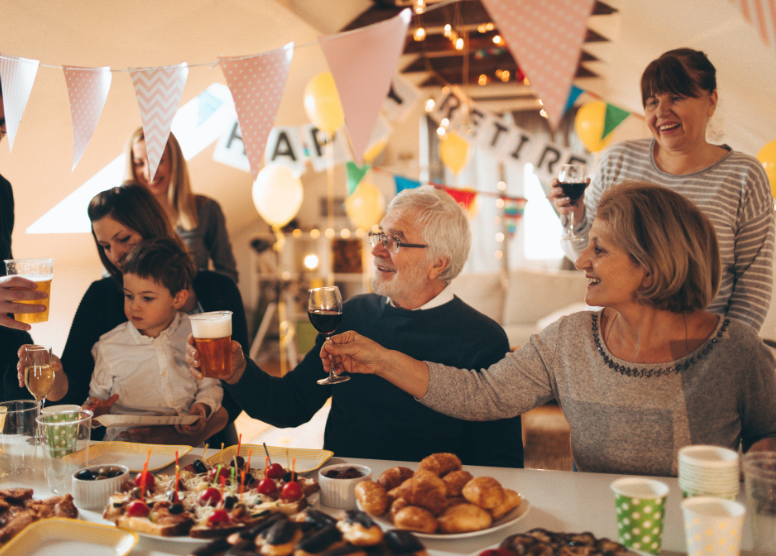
{"x":391,"y":244}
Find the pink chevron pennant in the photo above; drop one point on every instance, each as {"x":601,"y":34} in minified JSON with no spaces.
{"x":762,"y":15}
{"x":257,"y":83}
{"x":87,"y":88}
{"x":158,"y":92}
{"x":546,"y":40}
{"x":17,"y":76}
{"x":363,"y":63}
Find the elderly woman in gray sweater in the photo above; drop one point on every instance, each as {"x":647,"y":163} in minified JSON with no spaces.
{"x":651,"y":372}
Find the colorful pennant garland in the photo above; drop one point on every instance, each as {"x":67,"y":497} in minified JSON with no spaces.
{"x":355,"y":174}
{"x":17,"y":76}
{"x":87,"y":89}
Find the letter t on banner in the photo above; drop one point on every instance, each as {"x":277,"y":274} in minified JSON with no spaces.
{"x":362,"y":63}
{"x":257,"y":84}
{"x":159,"y":92}
{"x":17,"y":76}
{"x":87,"y":88}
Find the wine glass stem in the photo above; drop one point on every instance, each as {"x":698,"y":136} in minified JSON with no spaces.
{"x":331,"y":371}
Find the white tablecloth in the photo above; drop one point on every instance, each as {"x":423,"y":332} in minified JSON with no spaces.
{"x":560,"y":501}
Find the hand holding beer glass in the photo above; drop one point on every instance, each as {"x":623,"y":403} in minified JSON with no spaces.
{"x":40,"y":271}
{"x":213,"y":338}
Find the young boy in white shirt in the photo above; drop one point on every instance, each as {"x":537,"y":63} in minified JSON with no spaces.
{"x":139,"y":365}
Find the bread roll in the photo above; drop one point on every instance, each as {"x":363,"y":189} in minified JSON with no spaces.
{"x":372,"y":497}
{"x":455,"y":481}
{"x":485,"y":492}
{"x":414,"y":518}
{"x":463,"y":518}
{"x":395,"y":476}
{"x":511,"y":500}
{"x":425,"y":490}
{"x":397,"y":505}
{"x":440,"y":464}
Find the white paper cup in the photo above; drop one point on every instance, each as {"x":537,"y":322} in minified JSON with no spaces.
{"x":713,"y":526}
{"x":709,"y":471}
{"x":340,"y":493}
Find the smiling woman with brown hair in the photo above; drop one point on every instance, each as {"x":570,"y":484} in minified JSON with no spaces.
{"x":651,"y":372}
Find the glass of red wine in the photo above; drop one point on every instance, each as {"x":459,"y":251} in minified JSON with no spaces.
{"x":573,"y":181}
{"x":324,"y":307}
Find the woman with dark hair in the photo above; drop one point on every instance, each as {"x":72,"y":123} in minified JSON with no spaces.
{"x":121,"y":218}
{"x":679,"y":94}
{"x":196,"y":218}
{"x":648,"y":374}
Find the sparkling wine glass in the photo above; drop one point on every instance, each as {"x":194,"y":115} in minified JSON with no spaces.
{"x":324,"y":307}
{"x":38,"y":373}
{"x":573,"y":181}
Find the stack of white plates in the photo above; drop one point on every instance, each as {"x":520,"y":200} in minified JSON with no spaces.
{"x":709,"y":471}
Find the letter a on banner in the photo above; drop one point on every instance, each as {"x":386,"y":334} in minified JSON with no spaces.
{"x":87,"y":89}
{"x":257,"y":84}
{"x":362,"y":63}
{"x":158,"y":92}
{"x":17,"y":75}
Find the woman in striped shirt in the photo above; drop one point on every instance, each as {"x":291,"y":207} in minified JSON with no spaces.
{"x":679,"y":93}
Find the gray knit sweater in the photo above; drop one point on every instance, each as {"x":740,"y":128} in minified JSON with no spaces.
{"x":734,"y":193}
{"x":620,"y":423}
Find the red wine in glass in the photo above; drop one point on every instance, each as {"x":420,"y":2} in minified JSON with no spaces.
{"x":324,"y":308}
{"x":572,"y":179}
{"x":573,"y":190}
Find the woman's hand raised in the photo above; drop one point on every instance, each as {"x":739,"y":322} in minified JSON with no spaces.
{"x":353,"y":353}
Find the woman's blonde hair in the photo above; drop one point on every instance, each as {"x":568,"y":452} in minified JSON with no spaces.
{"x":670,"y":238}
{"x":179,"y":193}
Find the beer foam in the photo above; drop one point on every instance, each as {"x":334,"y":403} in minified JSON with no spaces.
{"x":37,"y":277}
{"x":211,"y":325}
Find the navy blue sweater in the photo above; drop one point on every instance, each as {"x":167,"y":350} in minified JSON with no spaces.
{"x":371,"y":418}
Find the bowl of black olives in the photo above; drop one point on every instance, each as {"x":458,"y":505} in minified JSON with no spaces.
{"x":92,"y":486}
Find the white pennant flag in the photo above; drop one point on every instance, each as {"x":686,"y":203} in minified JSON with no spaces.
{"x":159,"y":92}
{"x":16,"y":76}
{"x":87,"y":88}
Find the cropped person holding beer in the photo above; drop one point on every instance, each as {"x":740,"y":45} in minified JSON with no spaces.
{"x":140,"y":367}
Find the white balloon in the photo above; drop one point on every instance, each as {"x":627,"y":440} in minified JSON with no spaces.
{"x":277,"y":194}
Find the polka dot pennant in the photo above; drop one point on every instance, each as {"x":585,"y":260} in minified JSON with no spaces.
{"x":87,"y":88}
{"x":158,"y":92}
{"x":640,"y":522}
{"x":257,"y":83}
{"x":17,"y":76}
{"x":546,"y":40}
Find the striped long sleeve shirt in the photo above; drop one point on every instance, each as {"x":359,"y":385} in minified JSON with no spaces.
{"x":736,"y":196}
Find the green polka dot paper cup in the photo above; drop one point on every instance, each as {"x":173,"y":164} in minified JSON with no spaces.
{"x":640,"y":506}
{"x":62,"y":434}
{"x":713,"y":526}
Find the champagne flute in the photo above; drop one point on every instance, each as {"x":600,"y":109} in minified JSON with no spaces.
{"x":324,"y":307}
{"x":38,"y":372}
{"x":573,"y":181}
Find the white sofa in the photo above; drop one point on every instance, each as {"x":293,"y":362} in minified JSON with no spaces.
{"x":524,"y":300}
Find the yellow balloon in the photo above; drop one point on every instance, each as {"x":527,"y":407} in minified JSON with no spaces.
{"x":366,"y":206}
{"x":375,"y":150}
{"x":453,"y":151}
{"x":767,"y":156}
{"x":589,"y":124}
{"x":322,"y":103}
{"x":277,"y":194}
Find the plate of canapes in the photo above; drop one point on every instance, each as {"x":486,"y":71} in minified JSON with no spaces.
{"x":440,"y":500}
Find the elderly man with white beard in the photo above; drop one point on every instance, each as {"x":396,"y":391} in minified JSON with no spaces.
{"x":423,"y":244}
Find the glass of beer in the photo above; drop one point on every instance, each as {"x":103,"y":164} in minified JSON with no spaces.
{"x":213,"y":337}
{"x":40,"y":271}
{"x":38,"y":371}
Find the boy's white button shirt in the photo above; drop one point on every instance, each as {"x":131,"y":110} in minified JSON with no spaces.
{"x":150,"y":375}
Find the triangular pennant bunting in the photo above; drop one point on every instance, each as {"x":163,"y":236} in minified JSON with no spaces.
{"x":17,"y":76}
{"x":546,"y":40}
{"x":257,"y":84}
{"x":87,"y":88}
{"x":464,"y":197}
{"x":403,"y":183}
{"x":573,"y":96}
{"x":362,"y":63}
{"x":158,"y":92}
{"x":355,"y":175}
{"x":614,"y":117}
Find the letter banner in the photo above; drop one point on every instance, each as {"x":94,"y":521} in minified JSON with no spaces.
{"x":547,"y":38}
{"x":362,"y":63}
{"x":158,"y":92}
{"x":257,"y":84}
{"x":17,"y":76}
{"x":403,"y":183}
{"x":87,"y":88}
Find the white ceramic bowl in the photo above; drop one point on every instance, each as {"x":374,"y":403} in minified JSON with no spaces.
{"x":94,"y":495}
{"x":340,"y":493}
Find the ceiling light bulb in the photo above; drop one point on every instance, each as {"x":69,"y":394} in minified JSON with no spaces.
{"x":500,"y":203}
{"x":540,"y":102}
{"x":448,"y":30}
{"x":459,"y":44}
{"x":501,"y":186}
{"x":497,"y":39}
{"x":542,"y":113}
{"x":440,"y":131}
{"x":445,"y":122}
{"x":420,"y":34}
{"x":297,"y":233}
{"x":490,"y":26}
{"x":311,"y":261}
{"x":329,"y":233}
{"x":345,"y":233}
{"x":482,"y":28}
{"x":315,"y":234}
{"x":420,"y":6}
{"x":430,"y":105}
{"x":483,"y":80}
{"x":498,"y":255}
{"x":505,"y":76}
